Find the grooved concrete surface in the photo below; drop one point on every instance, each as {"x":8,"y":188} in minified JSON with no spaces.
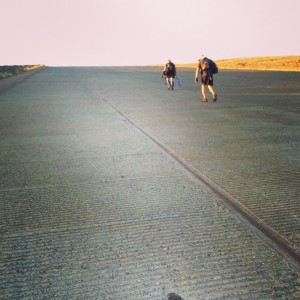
{"x":92,"y":208}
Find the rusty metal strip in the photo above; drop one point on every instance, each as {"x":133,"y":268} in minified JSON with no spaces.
{"x":238,"y":207}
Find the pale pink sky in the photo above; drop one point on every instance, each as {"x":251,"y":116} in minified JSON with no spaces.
{"x":142,"y":32}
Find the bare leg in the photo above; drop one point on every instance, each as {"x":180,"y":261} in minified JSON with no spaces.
{"x":172,"y":83}
{"x":169,"y":82}
{"x":211,"y":89}
{"x":203,"y":90}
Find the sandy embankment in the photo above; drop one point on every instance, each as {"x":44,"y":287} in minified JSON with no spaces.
{"x":264,"y":63}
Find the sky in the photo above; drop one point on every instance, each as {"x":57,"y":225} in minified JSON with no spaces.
{"x":144,"y":32}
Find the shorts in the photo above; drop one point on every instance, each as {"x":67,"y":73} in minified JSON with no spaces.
{"x":170,"y":74}
{"x":206,"y":79}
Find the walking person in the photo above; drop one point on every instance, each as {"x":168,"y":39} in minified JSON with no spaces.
{"x":206,"y":68}
{"x":170,"y":73}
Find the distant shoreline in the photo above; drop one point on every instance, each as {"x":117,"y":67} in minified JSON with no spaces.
{"x":262,"y":63}
{"x":9,"y":71}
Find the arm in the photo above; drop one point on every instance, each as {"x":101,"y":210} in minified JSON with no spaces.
{"x":197,"y":73}
{"x":164,"y":72}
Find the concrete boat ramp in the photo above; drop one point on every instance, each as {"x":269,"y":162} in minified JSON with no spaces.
{"x":113,"y":187}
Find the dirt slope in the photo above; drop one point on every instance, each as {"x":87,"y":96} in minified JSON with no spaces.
{"x":272,"y":63}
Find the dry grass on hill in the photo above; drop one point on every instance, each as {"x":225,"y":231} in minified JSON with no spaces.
{"x":269,"y":63}
{"x":8,"y":71}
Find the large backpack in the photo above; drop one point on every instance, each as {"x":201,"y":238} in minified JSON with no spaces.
{"x":213,"y":67}
{"x":207,"y":63}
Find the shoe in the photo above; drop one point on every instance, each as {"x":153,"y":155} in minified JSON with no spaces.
{"x":204,"y":100}
{"x":215,"y":97}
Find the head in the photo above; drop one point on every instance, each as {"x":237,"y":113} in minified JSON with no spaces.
{"x":173,"y":296}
